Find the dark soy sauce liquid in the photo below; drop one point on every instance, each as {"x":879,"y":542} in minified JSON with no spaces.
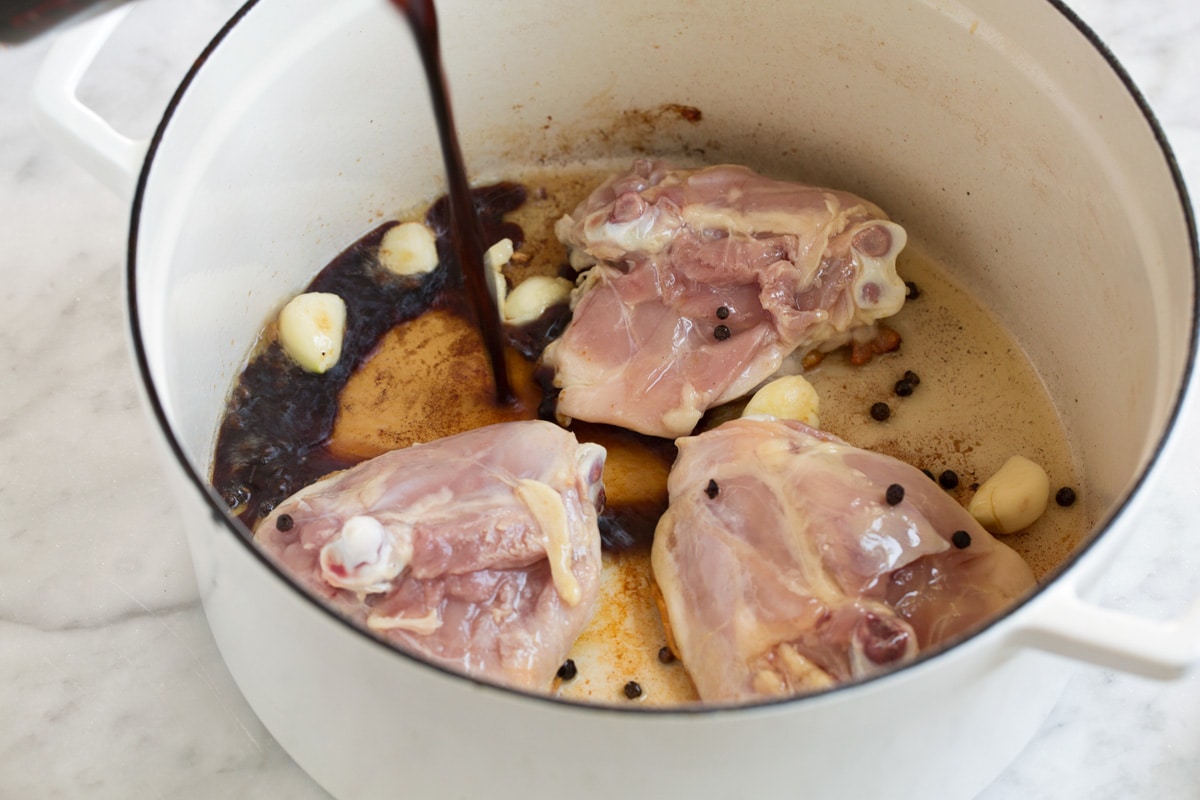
{"x":276,"y":433}
{"x":467,"y":234}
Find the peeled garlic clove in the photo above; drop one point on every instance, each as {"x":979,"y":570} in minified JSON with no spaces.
{"x":311,"y":327}
{"x":494,"y":260}
{"x":409,"y":248}
{"x":530,"y":298}
{"x":498,"y":255}
{"x":1013,"y":498}
{"x":790,"y":397}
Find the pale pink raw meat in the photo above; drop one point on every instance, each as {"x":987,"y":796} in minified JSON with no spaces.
{"x":791,"y":572}
{"x":479,"y":552}
{"x":796,"y":267}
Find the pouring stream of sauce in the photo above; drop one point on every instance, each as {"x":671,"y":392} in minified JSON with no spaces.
{"x":465,"y":229}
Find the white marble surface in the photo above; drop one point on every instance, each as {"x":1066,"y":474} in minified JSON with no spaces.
{"x":110,"y":684}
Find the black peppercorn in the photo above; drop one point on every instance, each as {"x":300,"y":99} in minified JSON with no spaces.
{"x":721,"y":333}
{"x":236,"y":496}
{"x":895,"y":494}
{"x":567,"y":671}
{"x":913,"y":291}
{"x":1065,"y":496}
{"x":712,"y":490}
{"x":880,"y":411}
{"x":633,"y":690}
{"x":284,"y":522}
{"x":961,"y":540}
{"x":722,"y":313}
{"x":929,"y":475}
{"x":903,"y":388}
{"x":912,"y":377}
{"x":665,"y":655}
{"x":948,"y":479}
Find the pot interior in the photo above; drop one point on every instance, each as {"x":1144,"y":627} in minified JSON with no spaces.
{"x":995,"y":132}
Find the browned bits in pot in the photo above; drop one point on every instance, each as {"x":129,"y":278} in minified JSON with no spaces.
{"x":961,"y":540}
{"x":721,"y":333}
{"x":812,"y":360}
{"x":712,"y":490}
{"x":948,"y":479}
{"x":723,"y":313}
{"x":633,"y":690}
{"x":1065,"y":496}
{"x":665,"y":655}
{"x":885,"y":341}
{"x":687,"y":113}
{"x":880,"y":411}
{"x":284,"y":522}
{"x":568,"y":670}
{"x":895,"y":494}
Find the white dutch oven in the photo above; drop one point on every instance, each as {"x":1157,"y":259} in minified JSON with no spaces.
{"x":997,"y":131}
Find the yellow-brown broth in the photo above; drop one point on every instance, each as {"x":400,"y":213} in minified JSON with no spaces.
{"x":979,"y":401}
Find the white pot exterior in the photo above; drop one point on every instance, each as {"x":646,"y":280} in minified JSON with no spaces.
{"x":995,"y":131}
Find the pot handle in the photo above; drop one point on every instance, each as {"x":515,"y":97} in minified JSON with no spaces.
{"x":109,"y":156}
{"x":1065,"y":624}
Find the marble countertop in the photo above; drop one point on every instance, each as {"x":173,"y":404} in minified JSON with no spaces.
{"x":110,"y":683}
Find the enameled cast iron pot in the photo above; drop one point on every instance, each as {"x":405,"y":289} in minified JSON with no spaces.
{"x":999,"y":132}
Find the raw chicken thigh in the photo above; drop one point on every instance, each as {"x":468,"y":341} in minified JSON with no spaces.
{"x":702,"y":281}
{"x":785,"y":569}
{"x":478,"y":552}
